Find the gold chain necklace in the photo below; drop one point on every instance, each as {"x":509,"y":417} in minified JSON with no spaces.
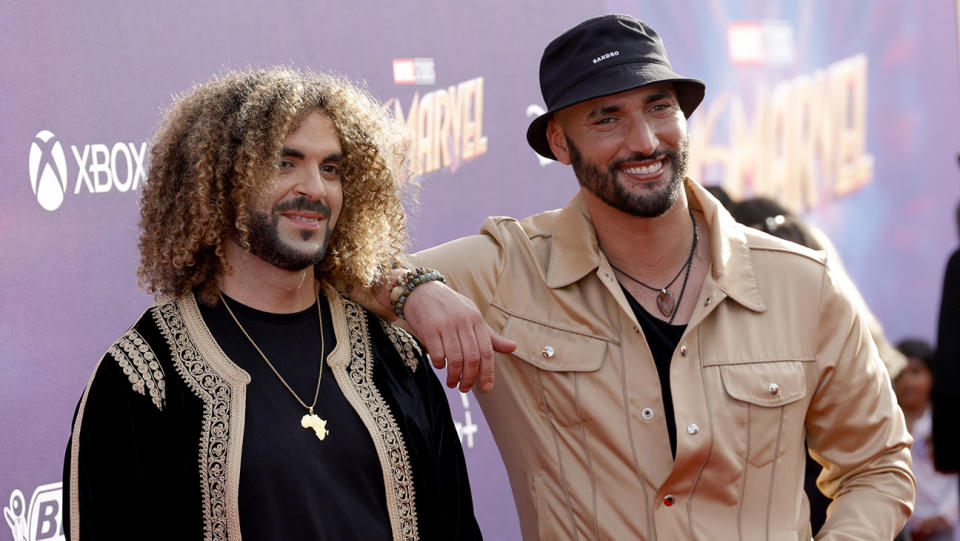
{"x":310,"y":420}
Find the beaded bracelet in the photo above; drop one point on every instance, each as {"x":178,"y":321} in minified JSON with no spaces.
{"x":407,"y":283}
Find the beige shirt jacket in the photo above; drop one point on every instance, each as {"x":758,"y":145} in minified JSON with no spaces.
{"x":774,"y":357}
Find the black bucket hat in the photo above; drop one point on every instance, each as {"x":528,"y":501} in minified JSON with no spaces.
{"x":603,"y":56}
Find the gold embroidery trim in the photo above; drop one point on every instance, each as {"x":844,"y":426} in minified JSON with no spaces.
{"x":215,"y":393}
{"x":404,"y":343}
{"x":139,"y":363}
{"x":74,"y":486}
{"x":376,"y":415}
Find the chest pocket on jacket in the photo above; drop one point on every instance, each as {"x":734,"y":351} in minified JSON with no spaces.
{"x":765,"y":390}
{"x":566,"y":363}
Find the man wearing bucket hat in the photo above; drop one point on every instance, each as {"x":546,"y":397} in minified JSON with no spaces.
{"x":672,"y":366}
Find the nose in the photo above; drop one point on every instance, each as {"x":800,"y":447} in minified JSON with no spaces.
{"x":642,"y":138}
{"x":311,"y":184}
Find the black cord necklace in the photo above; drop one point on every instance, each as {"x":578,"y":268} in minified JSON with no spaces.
{"x":665,"y":301}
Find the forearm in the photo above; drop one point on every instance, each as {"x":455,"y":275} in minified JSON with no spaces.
{"x":874,"y":505}
{"x":377,"y":298}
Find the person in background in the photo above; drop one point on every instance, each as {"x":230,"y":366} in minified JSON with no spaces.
{"x":936,"y":510}
{"x":721,"y":195}
{"x":946,"y":371}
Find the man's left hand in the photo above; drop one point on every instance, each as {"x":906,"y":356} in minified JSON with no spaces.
{"x":455,"y":335}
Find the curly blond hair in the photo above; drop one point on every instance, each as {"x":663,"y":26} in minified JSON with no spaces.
{"x":222,"y":140}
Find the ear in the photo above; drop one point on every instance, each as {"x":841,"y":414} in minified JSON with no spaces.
{"x":558,"y":141}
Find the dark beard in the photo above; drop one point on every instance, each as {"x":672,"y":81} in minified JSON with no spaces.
{"x":265,"y":241}
{"x":604,"y":184}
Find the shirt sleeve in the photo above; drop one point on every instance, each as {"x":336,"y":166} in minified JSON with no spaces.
{"x":471,"y":265}
{"x":454,"y":485}
{"x":892,"y":359}
{"x":856,"y":430}
{"x":114,"y":479}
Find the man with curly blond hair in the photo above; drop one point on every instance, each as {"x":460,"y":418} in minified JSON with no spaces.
{"x":268,"y":194}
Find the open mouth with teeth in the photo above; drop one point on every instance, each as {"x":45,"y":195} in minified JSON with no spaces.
{"x":306,"y":224}
{"x":307,"y":220}
{"x":646,"y":170}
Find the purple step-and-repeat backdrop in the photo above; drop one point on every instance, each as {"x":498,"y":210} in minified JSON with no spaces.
{"x":845,"y":111}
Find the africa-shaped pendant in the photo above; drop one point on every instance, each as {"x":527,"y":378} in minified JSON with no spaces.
{"x":319,"y":426}
{"x":666,"y":303}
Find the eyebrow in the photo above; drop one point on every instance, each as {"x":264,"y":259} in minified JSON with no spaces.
{"x":600,"y":111}
{"x":658,"y":96}
{"x":294,"y":153}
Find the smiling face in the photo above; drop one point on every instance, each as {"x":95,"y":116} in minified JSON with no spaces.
{"x":628,"y":149}
{"x":294,"y":213}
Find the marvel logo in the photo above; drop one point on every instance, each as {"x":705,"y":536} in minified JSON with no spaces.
{"x":414,"y":71}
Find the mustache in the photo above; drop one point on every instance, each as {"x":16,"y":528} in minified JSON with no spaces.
{"x":302,"y":203}
{"x":656,"y":155}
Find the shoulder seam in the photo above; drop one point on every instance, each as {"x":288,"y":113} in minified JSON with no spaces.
{"x":805,"y":253}
{"x":139,"y":363}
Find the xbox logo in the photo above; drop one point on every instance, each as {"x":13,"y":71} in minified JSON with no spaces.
{"x":48,"y":170}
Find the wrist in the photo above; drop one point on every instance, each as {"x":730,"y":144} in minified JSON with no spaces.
{"x":388,"y":282}
{"x":407,"y":283}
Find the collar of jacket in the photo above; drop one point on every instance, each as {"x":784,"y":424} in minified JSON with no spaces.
{"x":576,"y":252}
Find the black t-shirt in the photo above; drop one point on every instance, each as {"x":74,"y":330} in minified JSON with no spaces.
{"x":292,"y":485}
{"x":662,"y":338}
